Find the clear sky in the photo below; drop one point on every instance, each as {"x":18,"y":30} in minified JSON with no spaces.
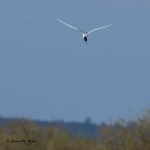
{"x":47,"y":72}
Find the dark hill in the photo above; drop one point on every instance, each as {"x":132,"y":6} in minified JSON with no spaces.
{"x":83,"y":129}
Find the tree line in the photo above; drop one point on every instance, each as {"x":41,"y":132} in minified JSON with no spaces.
{"x":22,"y":134}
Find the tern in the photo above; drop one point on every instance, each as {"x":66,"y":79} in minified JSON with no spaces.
{"x":85,"y":34}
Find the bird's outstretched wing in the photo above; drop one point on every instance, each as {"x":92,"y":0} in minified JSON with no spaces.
{"x":68,"y":25}
{"x":100,"y":28}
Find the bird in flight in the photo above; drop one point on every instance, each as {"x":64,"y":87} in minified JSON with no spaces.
{"x":85,"y":34}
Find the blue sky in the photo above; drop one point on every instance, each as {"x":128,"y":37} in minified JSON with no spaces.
{"x":47,"y":72}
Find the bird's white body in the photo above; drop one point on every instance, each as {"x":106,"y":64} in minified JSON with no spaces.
{"x":84,"y":34}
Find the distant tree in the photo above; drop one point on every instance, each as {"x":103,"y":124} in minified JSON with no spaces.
{"x":20,"y":135}
{"x":143,"y":130}
{"x":127,"y":135}
{"x":87,"y":120}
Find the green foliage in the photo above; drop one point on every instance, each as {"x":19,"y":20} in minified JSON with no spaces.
{"x":127,"y":136}
{"x":19,"y":134}
{"x":25,"y":135}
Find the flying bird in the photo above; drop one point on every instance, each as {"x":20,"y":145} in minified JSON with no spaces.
{"x":85,"y":34}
